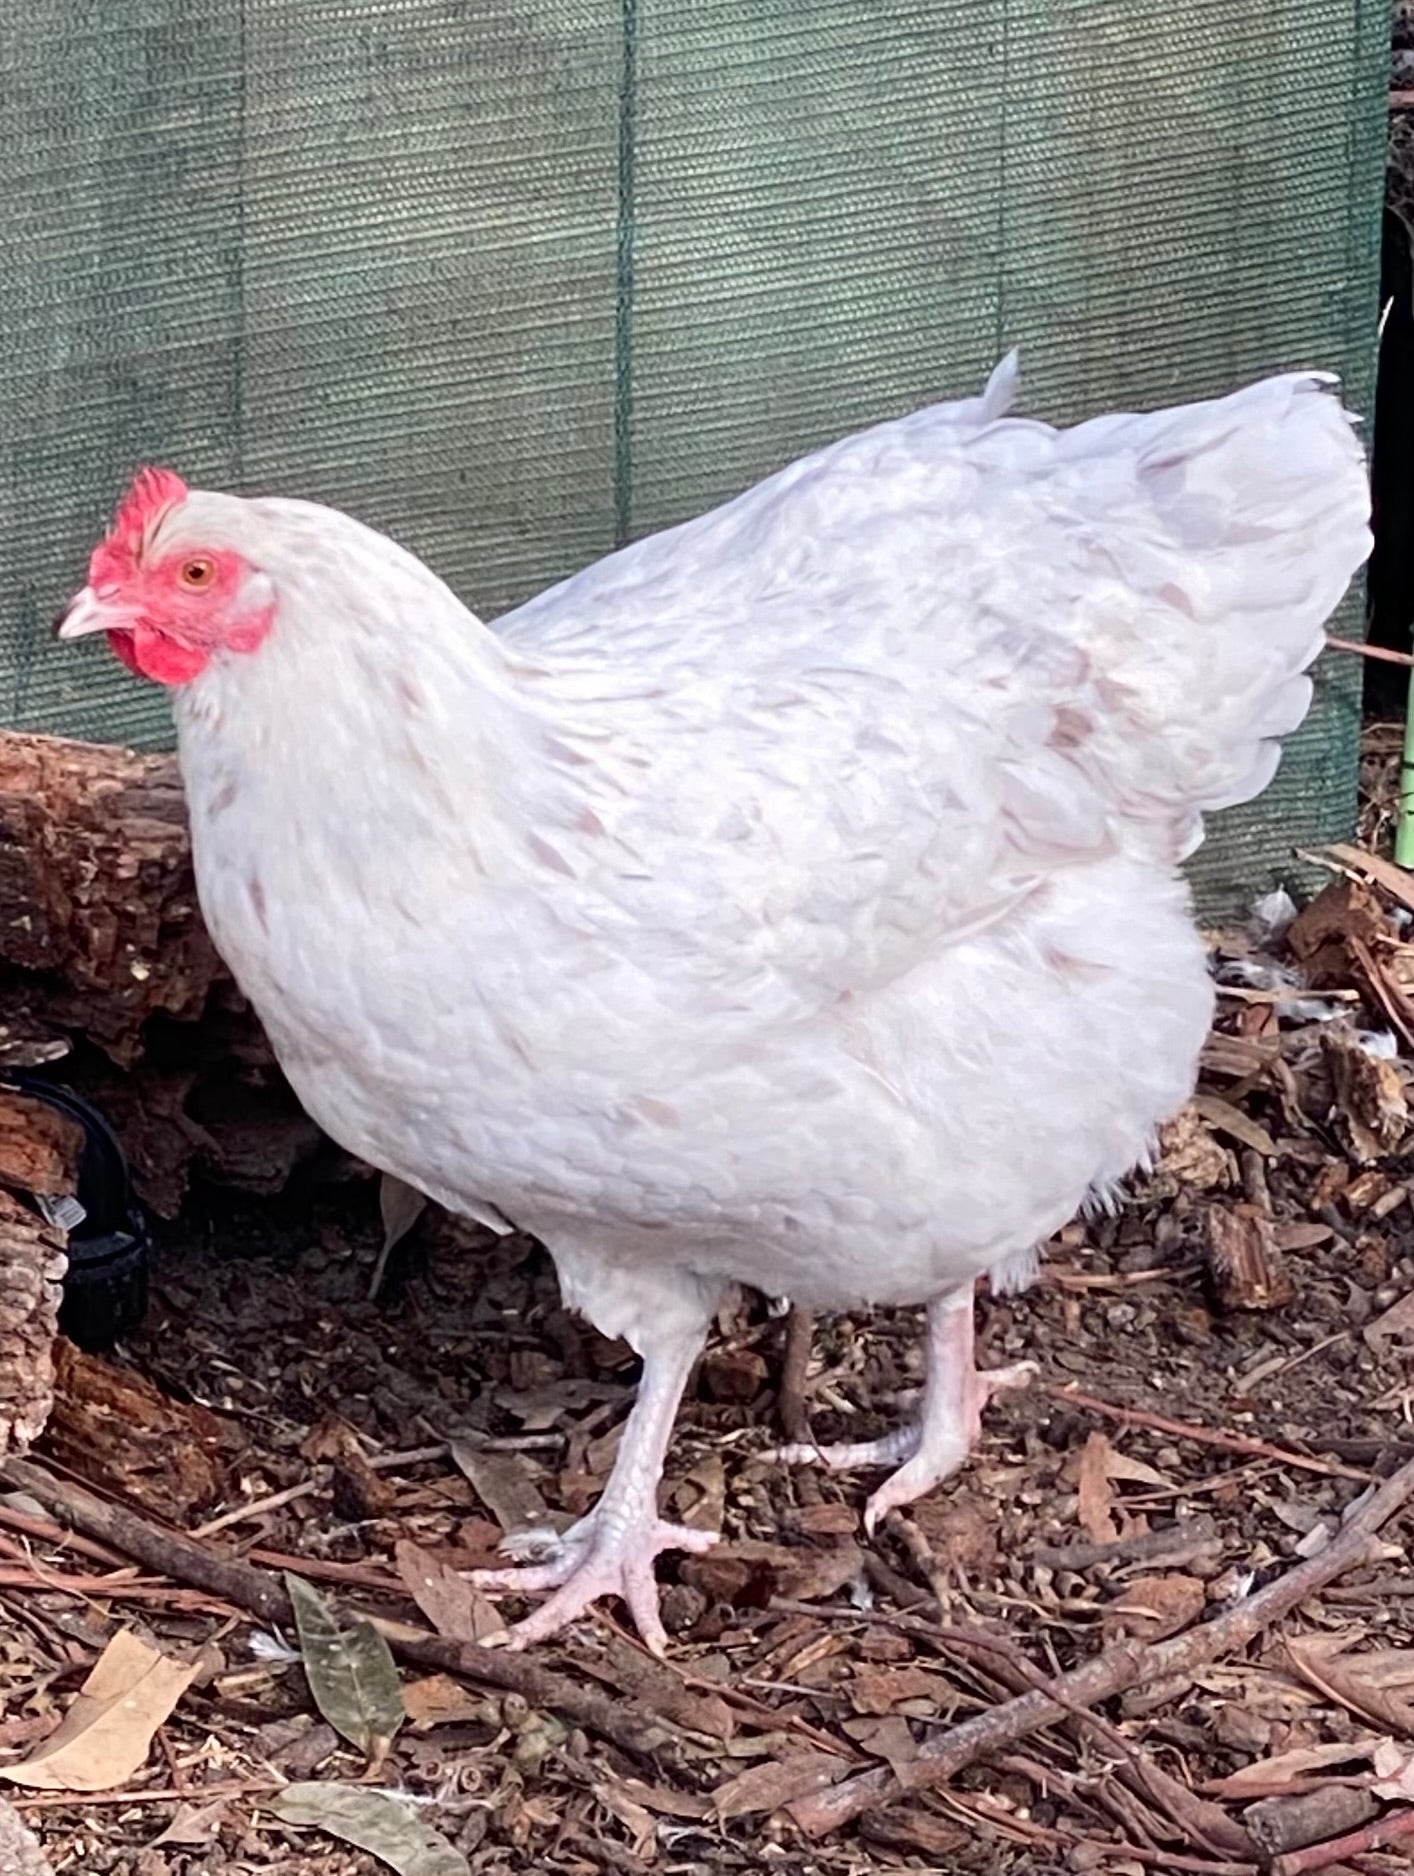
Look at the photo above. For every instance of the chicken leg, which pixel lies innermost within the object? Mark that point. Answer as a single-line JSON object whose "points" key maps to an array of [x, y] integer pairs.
{"points": [[611, 1551], [949, 1419]]}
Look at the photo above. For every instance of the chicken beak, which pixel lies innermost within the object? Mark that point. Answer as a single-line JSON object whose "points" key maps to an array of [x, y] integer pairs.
{"points": [[84, 613]]}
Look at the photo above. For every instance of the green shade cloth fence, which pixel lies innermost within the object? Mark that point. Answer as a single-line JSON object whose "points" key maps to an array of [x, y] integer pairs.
{"points": [[517, 279]]}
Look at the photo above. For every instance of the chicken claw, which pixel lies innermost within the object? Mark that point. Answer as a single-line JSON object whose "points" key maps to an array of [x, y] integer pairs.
{"points": [[934, 1445], [611, 1551], [589, 1561]]}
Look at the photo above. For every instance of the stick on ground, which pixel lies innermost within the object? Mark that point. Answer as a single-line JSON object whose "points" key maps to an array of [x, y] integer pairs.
{"points": [[1123, 1666], [641, 1733]]}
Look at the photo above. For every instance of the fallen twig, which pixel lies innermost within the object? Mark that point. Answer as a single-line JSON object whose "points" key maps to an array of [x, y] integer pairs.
{"points": [[145, 1794], [1362, 650], [1125, 1665], [1385, 1830], [642, 1733], [1169, 1541], [790, 1396], [1204, 1436]]}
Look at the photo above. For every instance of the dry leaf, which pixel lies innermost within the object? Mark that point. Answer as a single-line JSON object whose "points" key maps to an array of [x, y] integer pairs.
{"points": [[400, 1206], [1282, 1767], [636, 1818], [105, 1735], [1370, 1684], [1395, 1325], [1096, 1493], [350, 1673], [890, 1739], [440, 1701], [1100, 1465], [817, 1575], [540, 1408], [880, 1690], [665, 1801], [1394, 1769], [503, 1484], [375, 1821], [1154, 1606], [700, 1497], [768, 1786], [454, 1607], [192, 1824], [1234, 1123]]}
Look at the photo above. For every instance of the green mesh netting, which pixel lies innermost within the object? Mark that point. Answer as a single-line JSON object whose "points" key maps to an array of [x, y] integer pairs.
{"points": [[517, 278]]}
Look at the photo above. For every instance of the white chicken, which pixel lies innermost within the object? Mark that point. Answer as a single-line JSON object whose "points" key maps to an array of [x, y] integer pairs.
{"points": [[789, 899]]}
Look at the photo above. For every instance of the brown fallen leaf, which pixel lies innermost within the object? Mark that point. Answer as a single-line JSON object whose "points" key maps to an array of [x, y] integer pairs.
{"points": [[1396, 1324], [828, 1519], [105, 1736], [766, 1787], [196, 1825], [1098, 1468], [1394, 1772], [666, 1800], [1282, 1767], [1095, 1508], [817, 1575], [1226, 1118], [1372, 1684], [451, 1604], [880, 1690], [700, 1497], [636, 1818], [889, 1738], [438, 1700], [503, 1483], [1154, 1606]]}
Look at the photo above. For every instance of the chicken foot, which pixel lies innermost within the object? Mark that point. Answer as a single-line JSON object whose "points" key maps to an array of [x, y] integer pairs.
{"points": [[933, 1445], [611, 1551]]}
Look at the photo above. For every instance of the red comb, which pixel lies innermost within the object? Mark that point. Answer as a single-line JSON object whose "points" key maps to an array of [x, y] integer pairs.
{"points": [[150, 495]]}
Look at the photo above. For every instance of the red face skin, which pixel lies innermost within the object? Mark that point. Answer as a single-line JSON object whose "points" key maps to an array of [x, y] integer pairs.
{"points": [[180, 607]]}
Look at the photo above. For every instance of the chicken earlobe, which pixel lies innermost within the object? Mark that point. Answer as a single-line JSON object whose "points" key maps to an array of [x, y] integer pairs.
{"points": [[936, 1443], [611, 1552]]}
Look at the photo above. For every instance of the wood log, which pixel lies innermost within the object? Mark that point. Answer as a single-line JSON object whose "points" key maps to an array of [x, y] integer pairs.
{"points": [[104, 960], [32, 1267], [98, 905], [106, 965]]}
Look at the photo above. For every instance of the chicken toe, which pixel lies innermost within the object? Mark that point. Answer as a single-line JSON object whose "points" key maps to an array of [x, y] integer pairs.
{"points": [[611, 1552], [609, 1560], [935, 1444]]}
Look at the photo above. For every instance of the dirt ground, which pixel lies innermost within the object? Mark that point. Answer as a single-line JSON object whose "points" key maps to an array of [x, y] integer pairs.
{"points": [[1224, 1368]]}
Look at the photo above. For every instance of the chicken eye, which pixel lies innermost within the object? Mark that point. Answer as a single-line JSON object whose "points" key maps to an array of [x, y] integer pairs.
{"points": [[196, 574]]}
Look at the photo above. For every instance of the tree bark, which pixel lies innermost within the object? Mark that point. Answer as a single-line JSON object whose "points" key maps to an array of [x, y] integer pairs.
{"points": [[106, 970]]}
